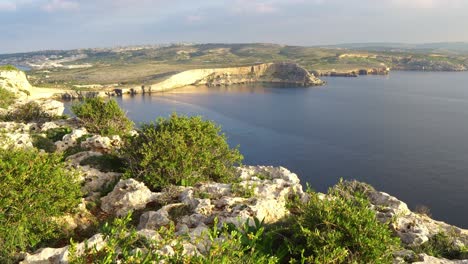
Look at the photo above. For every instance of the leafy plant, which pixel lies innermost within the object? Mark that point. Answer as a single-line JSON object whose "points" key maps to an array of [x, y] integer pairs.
{"points": [[337, 229], [247, 191], [35, 188], [56, 134], [105, 163], [28, 112], [8, 67], [180, 150], [7, 98], [227, 244], [102, 117], [442, 245], [43, 143]]}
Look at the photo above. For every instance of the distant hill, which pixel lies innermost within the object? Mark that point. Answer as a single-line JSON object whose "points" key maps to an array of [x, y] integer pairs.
{"points": [[137, 65], [440, 47]]}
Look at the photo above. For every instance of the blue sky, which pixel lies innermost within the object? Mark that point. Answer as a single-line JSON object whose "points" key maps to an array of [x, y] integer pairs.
{"points": [[27, 25]]}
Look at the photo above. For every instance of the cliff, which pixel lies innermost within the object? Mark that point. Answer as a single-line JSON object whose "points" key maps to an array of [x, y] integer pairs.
{"points": [[15, 81], [286, 73]]}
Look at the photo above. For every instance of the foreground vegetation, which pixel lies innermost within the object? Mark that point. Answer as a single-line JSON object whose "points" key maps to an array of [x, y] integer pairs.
{"points": [[182, 151], [7, 98], [318, 231], [35, 188], [39, 189]]}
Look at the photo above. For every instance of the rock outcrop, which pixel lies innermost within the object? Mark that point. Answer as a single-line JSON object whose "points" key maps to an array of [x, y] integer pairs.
{"points": [[283, 73], [15, 81]]}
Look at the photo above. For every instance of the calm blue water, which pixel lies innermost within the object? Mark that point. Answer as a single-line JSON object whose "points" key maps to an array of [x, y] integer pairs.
{"points": [[405, 134]]}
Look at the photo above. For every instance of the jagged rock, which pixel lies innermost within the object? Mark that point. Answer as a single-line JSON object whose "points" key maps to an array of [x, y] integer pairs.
{"points": [[49, 125], [60, 255], [16, 82], [77, 158], [70, 140], [413, 229], [14, 127], [47, 255], [426, 259], [290, 73], [94, 179], [166, 251], [154, 220], [102, 144], [149, 234], [190, 250], [204, 207], [51, 107], [216, 189], [16, 140], [182, 229], [127, 195]]}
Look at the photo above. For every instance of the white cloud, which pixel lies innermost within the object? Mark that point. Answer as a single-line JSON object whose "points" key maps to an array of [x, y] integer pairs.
{"points": [[7, 6], [55, 5], [426, 3], [258, 7]]}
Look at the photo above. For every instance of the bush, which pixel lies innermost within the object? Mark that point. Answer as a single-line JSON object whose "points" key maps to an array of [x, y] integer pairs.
{"points": [[443, 245], [102, 117], [105, 163], [28, 112], [8, 67], [180, 150], [228, 244], [34, 188], [56, 134], [43, 143], [339, 230], [7, 98]]}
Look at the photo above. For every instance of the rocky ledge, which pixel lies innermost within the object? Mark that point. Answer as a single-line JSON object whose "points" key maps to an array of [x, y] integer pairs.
{"points": [[283, 73]]}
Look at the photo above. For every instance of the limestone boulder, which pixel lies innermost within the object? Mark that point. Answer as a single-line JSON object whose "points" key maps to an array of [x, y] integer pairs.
{"points": [[61, 255], [154, 219], [102, 144], [128, 195], [51, 107], [70, 140]]}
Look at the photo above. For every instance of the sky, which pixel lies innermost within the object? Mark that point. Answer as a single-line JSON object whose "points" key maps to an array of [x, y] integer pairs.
{"points": [[30, 25]]}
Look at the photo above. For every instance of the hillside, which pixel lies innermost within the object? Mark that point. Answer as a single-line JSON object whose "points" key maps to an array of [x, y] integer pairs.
{"points": [[149, 64]]}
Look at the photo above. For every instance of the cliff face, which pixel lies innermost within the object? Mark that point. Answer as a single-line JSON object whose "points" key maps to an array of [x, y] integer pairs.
{"points": [[16, 82], [287, 73]]}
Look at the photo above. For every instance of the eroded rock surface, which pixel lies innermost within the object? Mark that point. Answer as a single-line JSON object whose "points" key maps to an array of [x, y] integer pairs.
{"points": [[285, 73]]}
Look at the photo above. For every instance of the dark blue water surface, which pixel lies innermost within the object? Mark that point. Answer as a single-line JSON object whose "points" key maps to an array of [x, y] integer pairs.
{"points": [[405, 134]]}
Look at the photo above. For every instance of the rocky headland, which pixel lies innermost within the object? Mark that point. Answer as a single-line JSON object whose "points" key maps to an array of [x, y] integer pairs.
{"points": [[276, 73], [354, 72], [283, 73]]}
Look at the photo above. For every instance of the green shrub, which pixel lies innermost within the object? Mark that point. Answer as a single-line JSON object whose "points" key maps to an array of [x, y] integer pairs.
{"points": [[102, 117], [8, 67], [443, 245], [105, 163], [180, 150], [34, 188], [56, 134], [337, 229], [43, 143], [7, 98], [228, 244], [28, 112]]}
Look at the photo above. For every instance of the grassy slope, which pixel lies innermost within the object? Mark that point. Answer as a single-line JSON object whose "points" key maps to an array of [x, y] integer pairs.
{"points": [[156, 63]]}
